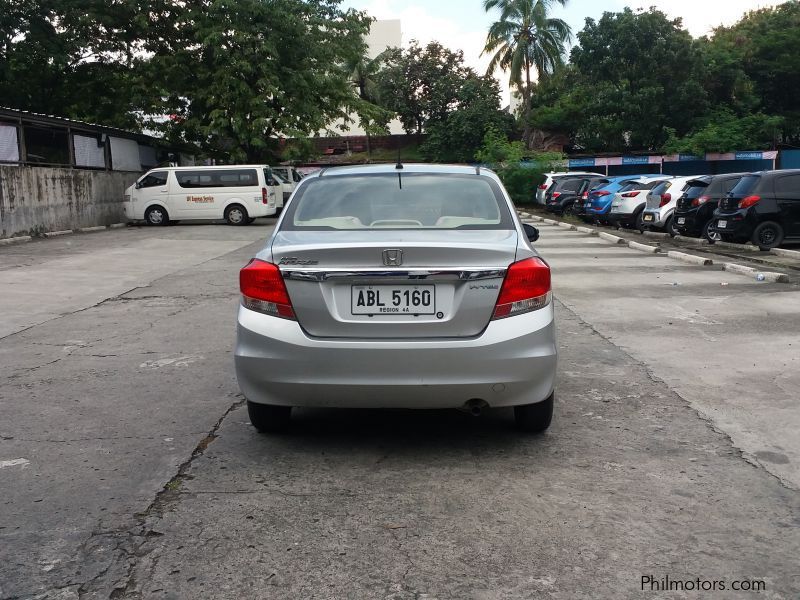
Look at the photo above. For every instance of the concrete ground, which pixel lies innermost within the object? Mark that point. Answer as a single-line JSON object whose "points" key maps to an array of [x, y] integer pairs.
{"points": [[129, 469]]}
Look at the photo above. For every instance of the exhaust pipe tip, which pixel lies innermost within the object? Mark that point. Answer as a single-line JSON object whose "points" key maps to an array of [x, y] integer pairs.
{"points": [[475, 406]]}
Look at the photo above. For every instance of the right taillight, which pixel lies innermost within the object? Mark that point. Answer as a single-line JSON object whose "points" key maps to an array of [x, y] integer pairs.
{"points": [[263, 289], [543, 186], [630, 194], [749, 201], [526, 287], [700, 200], [264, 196], [665, 199], [601, 193]]}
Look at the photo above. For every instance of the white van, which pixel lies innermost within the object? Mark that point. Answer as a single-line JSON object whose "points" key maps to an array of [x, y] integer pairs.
{"points": [[291, 177], [236, 193]]}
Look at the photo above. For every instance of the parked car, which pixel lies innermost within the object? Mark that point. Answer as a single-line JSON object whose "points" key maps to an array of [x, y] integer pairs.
{"points": [[562, 195], [583, 203], [763, 208], [661, 202], [237, 194], [629, 201], [290, 177], [550, 178], [694, 211], [412, 287], [600, 197]]}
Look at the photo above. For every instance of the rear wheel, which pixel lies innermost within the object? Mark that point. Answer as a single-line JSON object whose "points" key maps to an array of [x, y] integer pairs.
{"points": [[236, 214], [640, 222], [711, 236], [671, 228], [268, 418], [569, 210], [534, 418], [156, 215], [767, 235]]}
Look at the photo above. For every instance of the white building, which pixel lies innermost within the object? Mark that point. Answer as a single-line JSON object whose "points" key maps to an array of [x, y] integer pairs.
{"points": [[382, 35]]}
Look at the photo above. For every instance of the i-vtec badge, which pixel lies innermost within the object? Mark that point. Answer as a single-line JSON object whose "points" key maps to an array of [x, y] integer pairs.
{"points": [[293, 260], [487, 286]]}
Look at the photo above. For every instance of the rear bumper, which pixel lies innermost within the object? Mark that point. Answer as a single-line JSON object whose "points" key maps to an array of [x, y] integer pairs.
{"points": [[512, 362], [737, 224], [693, 221], [659, 217]]}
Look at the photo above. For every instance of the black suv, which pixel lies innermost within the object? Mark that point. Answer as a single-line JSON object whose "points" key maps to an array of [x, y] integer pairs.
{"points": [[764, 208], [694, 211], [564, 195]]}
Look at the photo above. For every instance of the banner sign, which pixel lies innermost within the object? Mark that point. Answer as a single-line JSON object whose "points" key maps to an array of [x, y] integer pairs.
{"points": [[581, 162], [749, 155], [635, 160], [688, 157]]}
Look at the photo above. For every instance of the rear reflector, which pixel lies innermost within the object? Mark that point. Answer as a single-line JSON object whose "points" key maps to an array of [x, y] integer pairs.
{"points": [[263, 289], [749, 201], [526, 287]]}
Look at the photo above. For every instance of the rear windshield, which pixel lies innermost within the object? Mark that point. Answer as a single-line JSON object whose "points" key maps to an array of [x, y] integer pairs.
{"points": [[660, 188], [695, 189], [570, 185], [746, 183], [399, 201]]}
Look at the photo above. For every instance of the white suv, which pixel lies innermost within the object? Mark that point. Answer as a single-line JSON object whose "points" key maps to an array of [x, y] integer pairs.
{"points": [[550, 178]]}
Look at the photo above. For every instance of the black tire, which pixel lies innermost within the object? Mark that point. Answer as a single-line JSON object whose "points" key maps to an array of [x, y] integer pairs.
{"points": [[174, 222], [640, 222], [157, 216], [569, 210], [268, 418], [236, 214], [534, 418], [768, 234], [670, 228], [712, 236]]}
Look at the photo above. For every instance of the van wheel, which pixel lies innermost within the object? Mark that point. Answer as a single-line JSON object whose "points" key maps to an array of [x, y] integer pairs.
{"points": [[534, 418], [236, 214], [268, 418], [767, 235], [156, 215], [711, 236]]}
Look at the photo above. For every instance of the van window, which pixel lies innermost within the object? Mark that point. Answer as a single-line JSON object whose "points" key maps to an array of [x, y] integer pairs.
{"points": [[217, 178], [153, 179]]}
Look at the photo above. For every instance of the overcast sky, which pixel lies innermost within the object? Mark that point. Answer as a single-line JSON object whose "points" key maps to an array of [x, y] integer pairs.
{"points": [[462, 24]]}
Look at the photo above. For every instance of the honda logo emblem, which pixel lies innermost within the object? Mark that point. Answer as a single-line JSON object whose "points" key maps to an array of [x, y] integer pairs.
{"points": [[393, 257]]}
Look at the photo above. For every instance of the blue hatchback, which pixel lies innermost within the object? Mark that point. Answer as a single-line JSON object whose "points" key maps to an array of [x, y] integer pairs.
{"points": [[599, 201]]}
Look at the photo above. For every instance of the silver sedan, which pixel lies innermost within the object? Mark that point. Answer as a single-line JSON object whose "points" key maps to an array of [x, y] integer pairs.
{"points": [[397, 286]]}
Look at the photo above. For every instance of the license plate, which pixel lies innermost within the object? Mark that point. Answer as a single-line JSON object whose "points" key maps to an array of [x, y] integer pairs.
{"points": [[393, 299], [681, 220], [722, 224], [647, 218]]}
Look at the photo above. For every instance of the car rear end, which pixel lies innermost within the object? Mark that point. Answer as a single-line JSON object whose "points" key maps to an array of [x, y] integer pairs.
{"points": [[694, 207], [408, 288], [629, 201], [736, 217], [661, 202]]}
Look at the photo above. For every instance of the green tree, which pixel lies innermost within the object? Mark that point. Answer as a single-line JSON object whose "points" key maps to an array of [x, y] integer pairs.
{"points": [[725, 132], [459, 136], [74, 59], [641, 73], [525, 39], [421, 84], [236, 74]]}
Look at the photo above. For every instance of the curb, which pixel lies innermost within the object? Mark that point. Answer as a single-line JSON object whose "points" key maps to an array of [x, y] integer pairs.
{"points": [[566, 225], [611, 238], [550, 221], [117, 225], [690, 258], [50, 234], [15, 240], [644, 247], [738, 246], [588, 230], [786, 253], [691, 240], [656, 234], [751, 272], [92, 229]]}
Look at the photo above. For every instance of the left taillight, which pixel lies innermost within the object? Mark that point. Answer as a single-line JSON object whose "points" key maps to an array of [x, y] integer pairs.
{"points": [[264, 196], [700, 200], [749, 201], [526, 287], [263, 289], [665, 199]]}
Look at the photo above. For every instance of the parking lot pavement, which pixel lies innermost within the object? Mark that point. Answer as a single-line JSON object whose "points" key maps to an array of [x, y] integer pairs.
{"points": [[129, 469], [726, 343]]}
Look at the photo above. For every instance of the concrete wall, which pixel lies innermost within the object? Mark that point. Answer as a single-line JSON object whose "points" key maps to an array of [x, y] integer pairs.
{"points": [[38, 199]]}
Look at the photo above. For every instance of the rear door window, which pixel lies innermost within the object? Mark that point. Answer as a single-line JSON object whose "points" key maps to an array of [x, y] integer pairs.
{"points": [[745, 184], [398, 201], [571, 185]]}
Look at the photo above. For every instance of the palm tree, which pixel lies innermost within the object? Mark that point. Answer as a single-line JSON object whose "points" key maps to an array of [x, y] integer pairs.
{"points": [[362, 72], [526, 39]]}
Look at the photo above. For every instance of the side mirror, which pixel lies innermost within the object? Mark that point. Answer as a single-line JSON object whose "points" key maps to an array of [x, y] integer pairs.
{"points": [[138, 185], [271, 182], [530, 232]]}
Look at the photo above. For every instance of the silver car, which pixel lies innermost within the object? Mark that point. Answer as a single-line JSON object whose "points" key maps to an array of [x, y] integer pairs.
{"points": [[411, 286]]}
